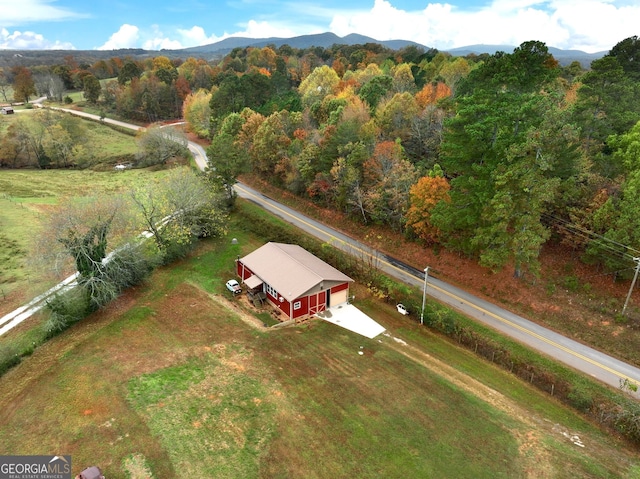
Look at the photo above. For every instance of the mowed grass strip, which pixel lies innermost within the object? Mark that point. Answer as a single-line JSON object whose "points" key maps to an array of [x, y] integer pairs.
{"points": [[212, 414]]}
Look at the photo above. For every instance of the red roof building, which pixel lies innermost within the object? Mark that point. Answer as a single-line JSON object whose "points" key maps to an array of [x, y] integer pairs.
{"points": [[296, 282]]}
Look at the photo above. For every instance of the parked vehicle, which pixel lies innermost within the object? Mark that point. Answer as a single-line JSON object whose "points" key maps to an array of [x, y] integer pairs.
{"points": [[402, 309], [92, 472], [233, 286]]}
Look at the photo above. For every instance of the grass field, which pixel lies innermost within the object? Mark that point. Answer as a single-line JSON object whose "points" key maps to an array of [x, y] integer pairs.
{"points": [[106, 146], [181, 374], [25, 197]]}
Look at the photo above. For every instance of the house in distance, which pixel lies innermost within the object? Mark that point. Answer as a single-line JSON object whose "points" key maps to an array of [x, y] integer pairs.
{"points": [[295, 281]]}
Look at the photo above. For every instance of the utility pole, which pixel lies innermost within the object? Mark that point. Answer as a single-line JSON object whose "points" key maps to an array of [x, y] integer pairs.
{"points": [[424, 293], [633, 283]]}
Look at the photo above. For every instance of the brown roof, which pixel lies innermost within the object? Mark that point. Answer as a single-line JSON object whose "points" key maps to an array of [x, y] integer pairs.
{"points": [[292, 270]]}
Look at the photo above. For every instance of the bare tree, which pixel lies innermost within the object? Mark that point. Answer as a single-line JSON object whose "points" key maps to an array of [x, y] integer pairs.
{"points": [[157, 145], [5, 86], [89, 236]]}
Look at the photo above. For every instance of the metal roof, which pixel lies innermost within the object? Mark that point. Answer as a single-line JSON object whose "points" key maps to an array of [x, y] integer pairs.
{"points": [[291, 270], [253, 282]]}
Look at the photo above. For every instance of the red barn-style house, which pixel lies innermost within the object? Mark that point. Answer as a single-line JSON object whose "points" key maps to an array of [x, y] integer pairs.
{"points": [[296, 282]]}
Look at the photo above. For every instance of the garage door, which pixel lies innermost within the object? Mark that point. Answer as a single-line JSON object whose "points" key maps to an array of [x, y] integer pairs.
{"points": [[338, 298]]}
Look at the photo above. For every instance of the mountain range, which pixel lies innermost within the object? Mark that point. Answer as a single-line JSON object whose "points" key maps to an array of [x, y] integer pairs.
{"points": [[216, 51], [326, 40]]}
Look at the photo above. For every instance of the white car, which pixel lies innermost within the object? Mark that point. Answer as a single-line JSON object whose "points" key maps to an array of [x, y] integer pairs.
{"points": [[401, 309], [233, 286]]}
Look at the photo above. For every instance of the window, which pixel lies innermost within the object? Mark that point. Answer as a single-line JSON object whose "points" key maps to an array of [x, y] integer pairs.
{"points": [[297, 305], [271, 290]]}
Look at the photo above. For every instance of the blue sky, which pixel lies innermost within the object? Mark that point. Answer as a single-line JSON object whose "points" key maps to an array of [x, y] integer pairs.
{"points": [[589, 25]]}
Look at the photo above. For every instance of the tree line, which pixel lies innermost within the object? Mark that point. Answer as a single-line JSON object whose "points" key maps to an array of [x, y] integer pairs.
{"points": [[492, 156]]}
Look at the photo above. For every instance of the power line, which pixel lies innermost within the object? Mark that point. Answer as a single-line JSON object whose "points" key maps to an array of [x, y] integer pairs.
{"points": [[620, 251]]}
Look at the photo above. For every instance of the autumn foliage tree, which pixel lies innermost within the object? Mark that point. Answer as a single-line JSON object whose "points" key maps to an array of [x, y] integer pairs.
{"points": [[424, 196], [197, 112], [432, 93], [23, 85], [388, 178]]}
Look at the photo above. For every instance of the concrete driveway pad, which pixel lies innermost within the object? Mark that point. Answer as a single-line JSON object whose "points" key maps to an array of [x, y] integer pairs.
{"points": [[349, 317]]}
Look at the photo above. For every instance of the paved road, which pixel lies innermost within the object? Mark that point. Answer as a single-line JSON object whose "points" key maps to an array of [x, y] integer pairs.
{"points": [[583, 358]]}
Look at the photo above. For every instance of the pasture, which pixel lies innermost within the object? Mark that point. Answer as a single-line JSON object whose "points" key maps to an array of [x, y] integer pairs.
{"points": [[26, 197], [181, 374]]}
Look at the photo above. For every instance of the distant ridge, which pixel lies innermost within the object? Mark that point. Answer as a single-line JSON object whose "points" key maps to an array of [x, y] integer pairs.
{"points": [[216, 51], [324, 40], [564, 57], [328, 39]]}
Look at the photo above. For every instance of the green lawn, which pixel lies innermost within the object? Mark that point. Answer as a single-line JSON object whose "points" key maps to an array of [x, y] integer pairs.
{"points": [[171, 372]]}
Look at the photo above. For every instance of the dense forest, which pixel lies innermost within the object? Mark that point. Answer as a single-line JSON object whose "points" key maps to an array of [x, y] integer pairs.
{"points": [[492, 156]]}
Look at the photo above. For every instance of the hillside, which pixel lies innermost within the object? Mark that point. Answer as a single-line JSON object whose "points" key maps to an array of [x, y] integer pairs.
{"points": [[324, 40], [564, 57], [185, 379], [216, 51]]}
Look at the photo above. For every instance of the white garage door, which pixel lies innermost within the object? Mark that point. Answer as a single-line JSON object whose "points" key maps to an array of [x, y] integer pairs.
{"points": [[338, 298]]}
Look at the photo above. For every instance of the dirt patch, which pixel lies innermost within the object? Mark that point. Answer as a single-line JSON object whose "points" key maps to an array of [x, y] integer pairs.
{"points": [[237, 309]]}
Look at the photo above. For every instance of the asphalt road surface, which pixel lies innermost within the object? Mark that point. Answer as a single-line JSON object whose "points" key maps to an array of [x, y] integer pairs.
{"points": [[572, 353]]}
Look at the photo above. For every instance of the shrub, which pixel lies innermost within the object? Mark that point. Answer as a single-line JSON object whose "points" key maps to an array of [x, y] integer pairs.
{"points": [[66, 309], [9, 357]]}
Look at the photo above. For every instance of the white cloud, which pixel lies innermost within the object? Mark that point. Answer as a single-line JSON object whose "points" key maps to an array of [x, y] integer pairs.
{"points": [[29, 41], [590, 25], [125, 37], [157, 41], [26, 11], [196, 36], [161, 43], [254, 29]]}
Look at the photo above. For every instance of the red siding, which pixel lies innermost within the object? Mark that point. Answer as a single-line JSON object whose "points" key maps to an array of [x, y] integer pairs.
{"points": [[281, 305], [284, 307], [322, 301], [243, 271], [304, 307], [340, 287]]}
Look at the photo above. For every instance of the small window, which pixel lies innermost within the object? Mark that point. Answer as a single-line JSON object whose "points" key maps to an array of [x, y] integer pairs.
{"points": [[297, 305]]}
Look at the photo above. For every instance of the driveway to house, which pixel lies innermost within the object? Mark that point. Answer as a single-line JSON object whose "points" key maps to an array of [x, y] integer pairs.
{"points": [[572, 353]]}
